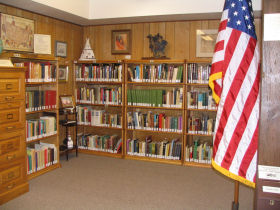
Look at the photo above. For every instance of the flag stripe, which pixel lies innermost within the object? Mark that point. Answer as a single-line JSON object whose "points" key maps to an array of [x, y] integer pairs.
{"points": [[243, 120], [225, 111], [252, 149]]}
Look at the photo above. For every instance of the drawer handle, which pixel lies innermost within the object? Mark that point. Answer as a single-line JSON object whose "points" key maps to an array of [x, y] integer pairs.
{"points": [[10, 145], [11, 127], [10, 157], [10, 186], [10, 116], [11, 175], [9, 98], [9, 86]]}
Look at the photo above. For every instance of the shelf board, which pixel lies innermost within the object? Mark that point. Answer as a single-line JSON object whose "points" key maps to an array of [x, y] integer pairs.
{"points": [[202, 110], [39, 83], [196, 134], [150, 159], [198, 84], [153, 107], [200, 165], [155, 83], [43, 171], [111, 105], [108, 154], [101, 82], [93, 126], [43, 110], [153, 131], [39, 139]]}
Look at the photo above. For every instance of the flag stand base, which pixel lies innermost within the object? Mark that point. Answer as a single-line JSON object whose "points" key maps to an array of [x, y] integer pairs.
{"points": [[235, 206]]}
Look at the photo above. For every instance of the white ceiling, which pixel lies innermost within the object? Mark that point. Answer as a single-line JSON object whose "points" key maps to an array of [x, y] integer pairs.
{"points": [[92, 12]]}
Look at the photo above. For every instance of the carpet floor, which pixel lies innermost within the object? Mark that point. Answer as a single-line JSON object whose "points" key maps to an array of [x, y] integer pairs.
{"points": [[96, 182]]}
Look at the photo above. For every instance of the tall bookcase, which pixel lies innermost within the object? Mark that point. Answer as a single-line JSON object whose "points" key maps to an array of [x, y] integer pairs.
{"points": [[42, 114], [100, 107], [200, 115], [154, 110]]}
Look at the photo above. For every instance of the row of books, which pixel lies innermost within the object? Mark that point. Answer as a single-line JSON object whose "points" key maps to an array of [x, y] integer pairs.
{"points": [[39, 128], [99, 72], [39, 72], [154, 121], [202, 124], [199, 152], [41, 156], [197, 99], [89, 116], [37, 100], [156, 149], [155, 97], [198, 73], [155, 73], [105, 143], [99, 95]]}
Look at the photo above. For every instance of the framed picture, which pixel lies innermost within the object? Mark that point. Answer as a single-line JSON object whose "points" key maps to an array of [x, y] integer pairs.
{"points": [[42, 44], [60, 49], [205, 42], [17, 33], [121, 42], [63, 73], [67, 101]]}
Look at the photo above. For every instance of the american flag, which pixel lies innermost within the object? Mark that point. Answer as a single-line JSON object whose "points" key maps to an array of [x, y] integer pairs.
{"points": [[234, 80]]}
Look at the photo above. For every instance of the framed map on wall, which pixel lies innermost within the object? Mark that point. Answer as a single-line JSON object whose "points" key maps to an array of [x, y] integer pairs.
{"points": [[17, 33]]}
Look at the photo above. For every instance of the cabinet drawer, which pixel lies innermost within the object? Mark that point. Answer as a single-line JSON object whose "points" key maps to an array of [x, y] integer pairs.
{"points": [[11, 86], [12, 146], [12, 175], [12, 116]]}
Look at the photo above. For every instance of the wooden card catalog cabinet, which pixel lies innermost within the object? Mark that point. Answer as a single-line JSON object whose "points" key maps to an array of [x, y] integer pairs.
{"points": [[13, 181]]}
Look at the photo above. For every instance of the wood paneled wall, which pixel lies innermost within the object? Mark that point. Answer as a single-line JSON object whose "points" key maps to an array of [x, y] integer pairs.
{"points": [[60, 31], [181, 37]]}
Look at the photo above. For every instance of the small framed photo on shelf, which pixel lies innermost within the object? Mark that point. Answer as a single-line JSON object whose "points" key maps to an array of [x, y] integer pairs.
{"points": [[121, 42], [63, 73], [60, 49], [205, 42], [67, 101]]}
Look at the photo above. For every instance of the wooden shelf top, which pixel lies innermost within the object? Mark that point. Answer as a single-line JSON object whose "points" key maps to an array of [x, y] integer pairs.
{"points": [[198, 84], [196, 134], [108, 127], [94, 61], [202, 110], [39, 83], [109, 105], [29, 56], [154, 61], [43, 110]]}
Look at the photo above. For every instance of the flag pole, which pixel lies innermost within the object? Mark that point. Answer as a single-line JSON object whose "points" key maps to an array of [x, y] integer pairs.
{"points": [[235, 203]]}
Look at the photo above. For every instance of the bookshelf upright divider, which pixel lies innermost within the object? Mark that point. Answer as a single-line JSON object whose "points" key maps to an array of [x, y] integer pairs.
{"points": [[42, 114]]}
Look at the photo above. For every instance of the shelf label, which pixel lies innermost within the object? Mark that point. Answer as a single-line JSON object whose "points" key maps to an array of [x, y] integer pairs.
{"points": [[269, 189], [269, 172]]}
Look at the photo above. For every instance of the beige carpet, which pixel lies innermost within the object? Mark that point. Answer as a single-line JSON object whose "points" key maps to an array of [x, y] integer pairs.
{"points": [[94, 182]]}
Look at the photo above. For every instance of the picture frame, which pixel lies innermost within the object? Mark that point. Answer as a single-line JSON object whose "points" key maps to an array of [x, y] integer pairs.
{"points": [[42, 44], [67, 101], [205, 42], [17, 33], [121, 42], [60, 49], [63, 73]]}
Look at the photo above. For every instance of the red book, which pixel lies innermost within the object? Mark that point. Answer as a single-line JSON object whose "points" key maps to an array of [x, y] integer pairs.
{"points": [[160, 120]]}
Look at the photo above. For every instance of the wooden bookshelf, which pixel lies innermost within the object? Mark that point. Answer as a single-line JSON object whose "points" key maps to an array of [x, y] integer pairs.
{"points": [[43, 171], [92, 76], [144, 74], [34, 71]]}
